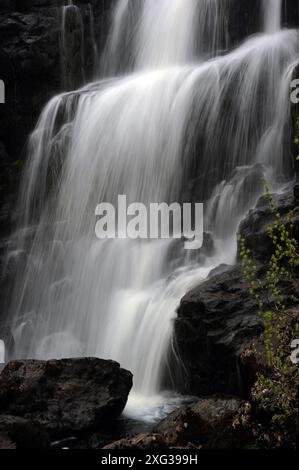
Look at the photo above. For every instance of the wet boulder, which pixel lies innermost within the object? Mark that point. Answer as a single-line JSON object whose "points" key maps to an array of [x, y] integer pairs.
{"points": [[65, 396], [210, 423], [215, 321]]}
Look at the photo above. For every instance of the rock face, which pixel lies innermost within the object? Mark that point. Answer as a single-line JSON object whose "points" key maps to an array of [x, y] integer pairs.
{"points": [[21, 434], [217, 320], [209, 423], [30, 59], [71, 395], [254, 228]]}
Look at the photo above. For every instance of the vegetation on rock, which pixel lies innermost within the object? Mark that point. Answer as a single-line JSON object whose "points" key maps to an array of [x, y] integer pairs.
{"points": [[275, 395]]}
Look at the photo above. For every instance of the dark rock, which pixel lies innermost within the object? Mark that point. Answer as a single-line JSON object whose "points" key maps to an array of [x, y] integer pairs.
{"points": [[19, 433], [222, 268], [291, 13], [254, 355], [3, 156], [209, 423], [254, 361], [142, 441], [215, 321], [30, 60], [71, 395], [244, 19], [254, 228], [274, 398]]}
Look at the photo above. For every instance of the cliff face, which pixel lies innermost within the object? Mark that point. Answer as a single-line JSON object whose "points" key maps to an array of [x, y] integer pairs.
{"points": [[31, 61], [219, 318]]}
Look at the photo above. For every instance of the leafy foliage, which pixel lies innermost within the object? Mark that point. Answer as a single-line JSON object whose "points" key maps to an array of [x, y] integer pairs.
{"points": [[277, 389]]}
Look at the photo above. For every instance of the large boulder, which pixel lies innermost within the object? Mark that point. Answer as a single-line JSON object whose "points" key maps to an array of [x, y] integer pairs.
{"points": [[70, 395], [215, 321]]}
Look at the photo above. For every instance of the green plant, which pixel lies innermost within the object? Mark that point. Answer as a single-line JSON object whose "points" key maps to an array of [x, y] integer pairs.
{"points": [[278, 388]]}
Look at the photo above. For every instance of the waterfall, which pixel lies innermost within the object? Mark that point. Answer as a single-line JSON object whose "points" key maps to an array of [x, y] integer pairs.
{"points": [[72, 46], [2, 352], [92, 38], [272, 15], [140, 37], [171, 111]]}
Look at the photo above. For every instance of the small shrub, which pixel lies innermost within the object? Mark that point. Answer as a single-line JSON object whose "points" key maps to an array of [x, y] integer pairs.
{"points": [[276, 390]]}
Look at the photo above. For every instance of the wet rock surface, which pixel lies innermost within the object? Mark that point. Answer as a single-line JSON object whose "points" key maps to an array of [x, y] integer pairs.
{"points": [[67, 396], [217, 320], [209, 423], [254, 227]]}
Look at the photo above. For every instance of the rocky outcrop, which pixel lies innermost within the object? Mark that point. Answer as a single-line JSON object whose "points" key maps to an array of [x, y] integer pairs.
{"points": [[291, 14], [217, 320], [30, 59], [254, 228], [210, 423], [245, 17], [68, 396]]}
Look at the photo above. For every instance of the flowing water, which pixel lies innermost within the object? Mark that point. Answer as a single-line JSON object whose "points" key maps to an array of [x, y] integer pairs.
{"points": [[172, 110], [72, 40], [272, 15]]}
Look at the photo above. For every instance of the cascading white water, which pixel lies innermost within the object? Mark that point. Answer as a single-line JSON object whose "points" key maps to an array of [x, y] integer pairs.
{"points": [[2, 352], [145, 134], [272, 15], [147, 34]]}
